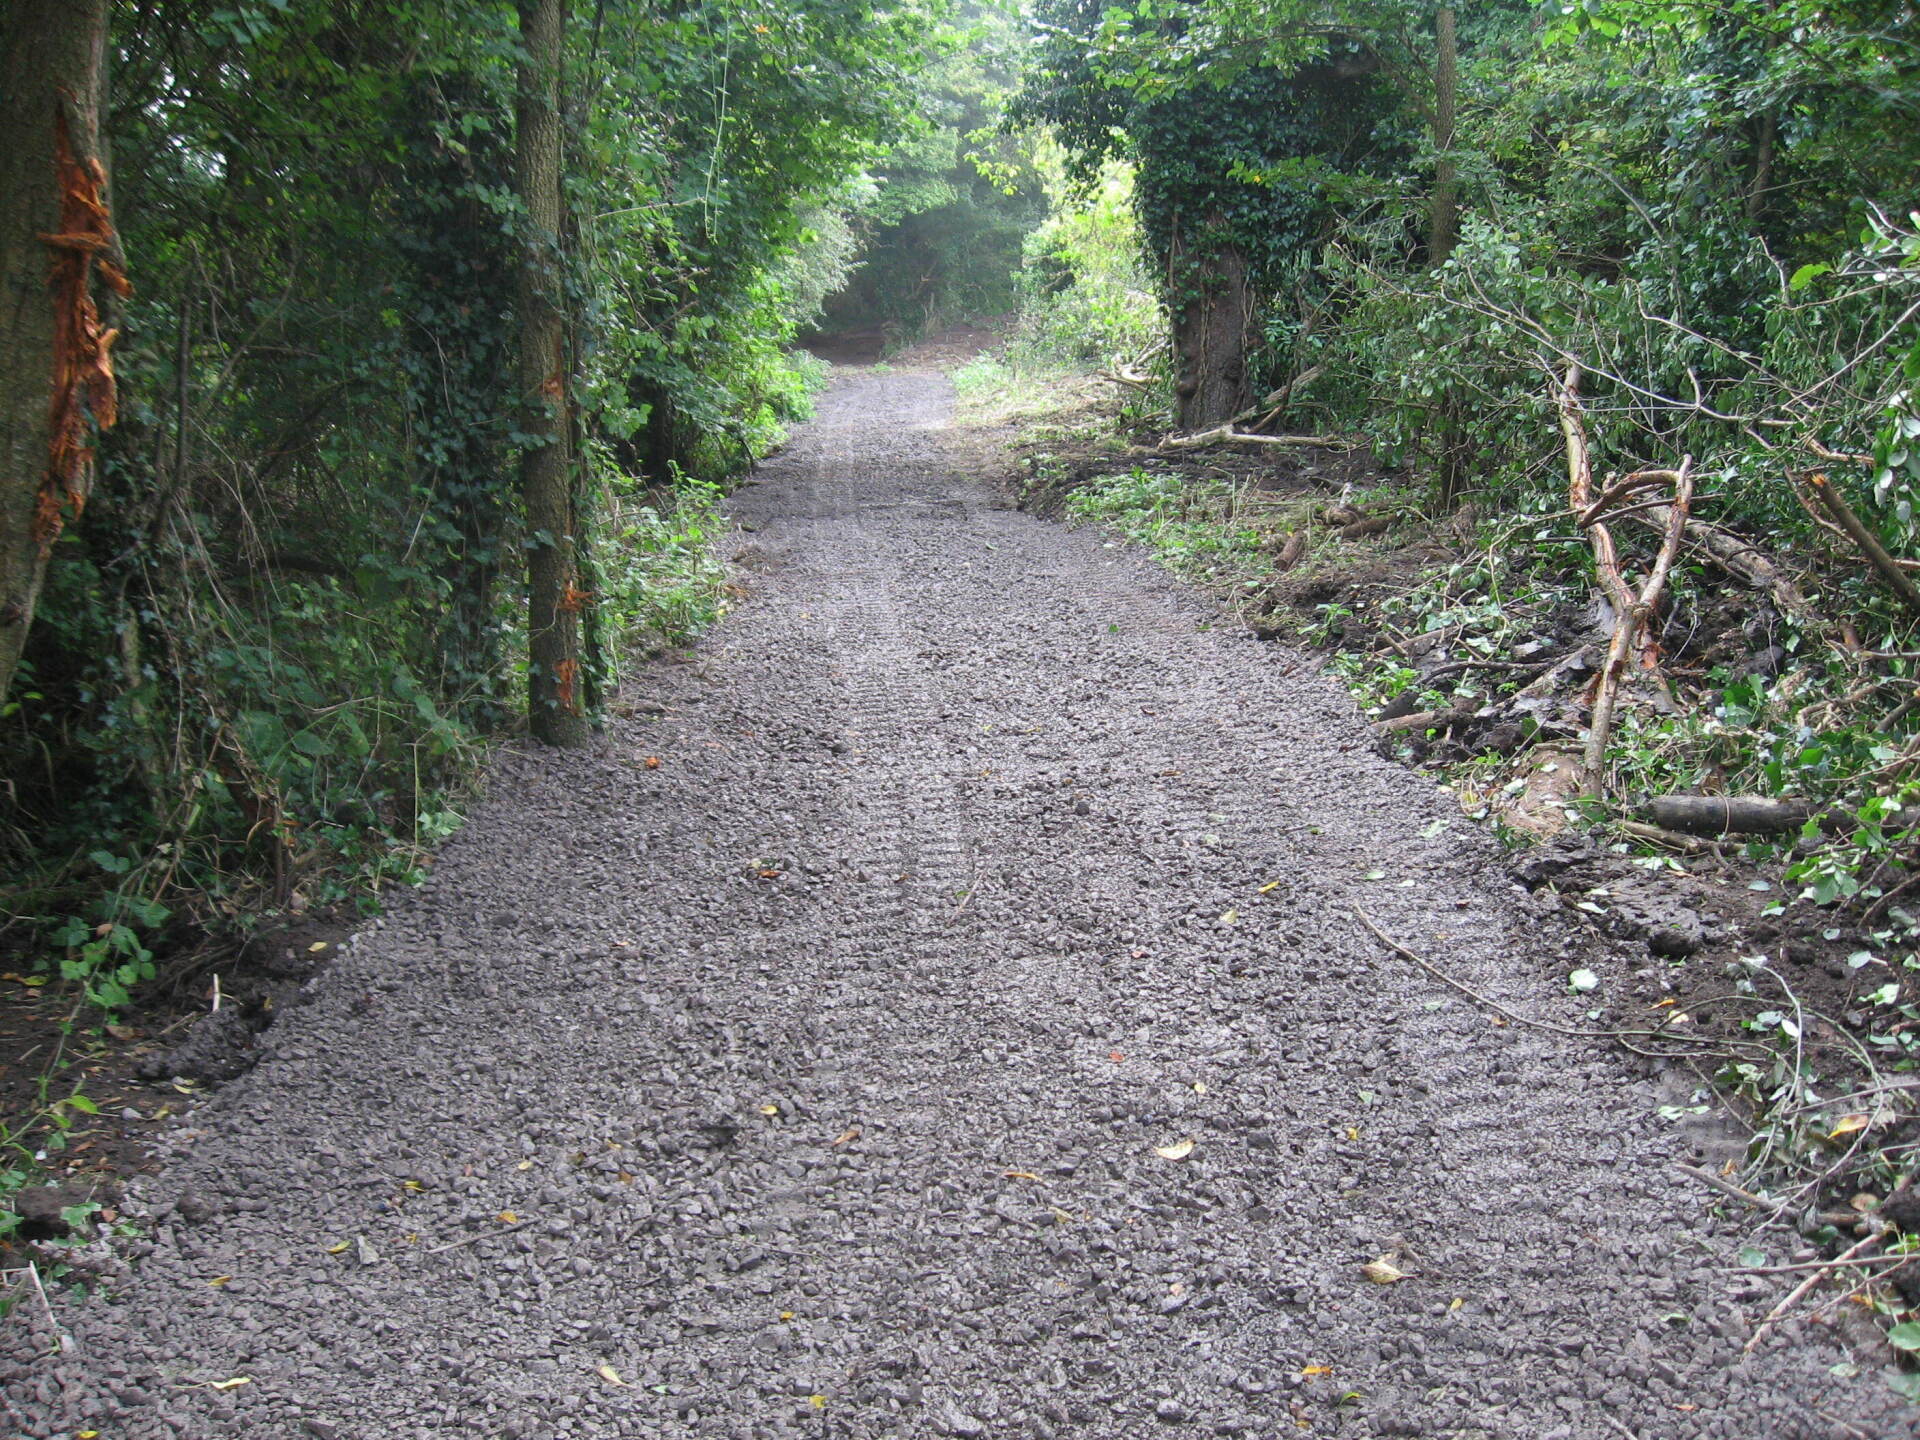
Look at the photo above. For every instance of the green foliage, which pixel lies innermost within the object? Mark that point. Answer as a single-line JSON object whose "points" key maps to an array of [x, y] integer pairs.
{"points": [[1085, 296]]}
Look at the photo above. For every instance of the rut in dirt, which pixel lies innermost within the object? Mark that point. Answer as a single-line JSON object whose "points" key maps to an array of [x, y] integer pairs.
{"points": [[814, 1082]]}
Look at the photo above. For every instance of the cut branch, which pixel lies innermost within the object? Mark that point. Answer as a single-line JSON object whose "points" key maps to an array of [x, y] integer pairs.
{"points": [[1728, 814]]}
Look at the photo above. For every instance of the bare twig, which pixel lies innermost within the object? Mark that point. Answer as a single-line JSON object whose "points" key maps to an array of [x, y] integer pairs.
{"points": [[1801, 1290], [1707, 1177], [1625, 1037], [477, 1238]]}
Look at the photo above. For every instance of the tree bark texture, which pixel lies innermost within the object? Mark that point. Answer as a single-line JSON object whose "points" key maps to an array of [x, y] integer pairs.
{"points": [[57, 251], [1210, 336], [1445, 218], [556, 710]]}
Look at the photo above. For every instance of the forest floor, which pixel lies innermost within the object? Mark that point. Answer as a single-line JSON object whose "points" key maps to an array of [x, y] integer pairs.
{"points": [[949, 1004]]}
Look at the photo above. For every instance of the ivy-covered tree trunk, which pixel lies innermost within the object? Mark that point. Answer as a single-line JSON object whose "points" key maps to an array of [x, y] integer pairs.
{"points": [[1210, 317], [556, 710], [459, 362], [56, 239]]}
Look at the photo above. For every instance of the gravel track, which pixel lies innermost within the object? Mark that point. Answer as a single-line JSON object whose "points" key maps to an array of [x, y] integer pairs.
{"points": [[822, 1067]]}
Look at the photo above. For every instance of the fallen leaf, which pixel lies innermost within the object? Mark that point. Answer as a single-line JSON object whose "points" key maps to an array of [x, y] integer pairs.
{"points": [[1269, 887], [341, 1248], [413, 1185], [608, 1374], [316, 947], [653, 762], [819, 1402], [507, 1217], [123, 1033], [219, 1280], [1179, 1150], [1308, 1372], [786, 1314], [1382, 1272], [1662, 1004], [847, 1136], [1458, 1301], [1848, 1125], [31, 981], [769, 1109], [1230, 917], [524, 1165], [234, 1384], [1353, 1132], [1199, 1087], [1115, 1056], [770, 874], [1583, 981], [1018, 1175], [1060, 1217]]}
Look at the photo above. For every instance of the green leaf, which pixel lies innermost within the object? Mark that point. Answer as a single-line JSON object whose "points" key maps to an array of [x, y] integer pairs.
{"points": [[308, 742], [1807, 274], [1905, 1336]]}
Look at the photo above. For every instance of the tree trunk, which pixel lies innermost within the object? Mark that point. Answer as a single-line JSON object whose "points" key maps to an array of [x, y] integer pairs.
{"points": [[1210, 336], [1445, 218], [56, 238], [555, 709], [1767, 129]]}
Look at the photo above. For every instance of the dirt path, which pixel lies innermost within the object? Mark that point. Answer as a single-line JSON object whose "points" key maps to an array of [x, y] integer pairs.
{"points": [[822, 1067]]}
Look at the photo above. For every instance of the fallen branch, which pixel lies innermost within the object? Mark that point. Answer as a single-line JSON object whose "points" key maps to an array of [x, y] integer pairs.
{"points": [[1657, 835], [1631, 624], [1728, 814], [1275, 400], [1800, 1291], [1865, 541], [1421, 720], [1737, 558], [1606, 557], [1227, 435]]}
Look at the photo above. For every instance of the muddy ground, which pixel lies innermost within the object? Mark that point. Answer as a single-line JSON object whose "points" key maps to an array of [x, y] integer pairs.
{"points": [[951, 1015]]}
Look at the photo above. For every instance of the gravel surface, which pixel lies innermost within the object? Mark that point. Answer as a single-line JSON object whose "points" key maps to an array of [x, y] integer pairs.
{"points": [[811, 1081]]}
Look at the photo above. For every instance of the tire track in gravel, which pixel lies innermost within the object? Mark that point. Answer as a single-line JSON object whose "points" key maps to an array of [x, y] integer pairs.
{"points": [[820, 1069]]}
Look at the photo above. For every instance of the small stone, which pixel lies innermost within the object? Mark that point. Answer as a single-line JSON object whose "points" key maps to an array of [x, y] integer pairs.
{"points": [[195, 1208], [1172, 1411]]}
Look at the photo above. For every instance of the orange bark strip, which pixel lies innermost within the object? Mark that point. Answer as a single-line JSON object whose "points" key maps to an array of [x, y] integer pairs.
{"points": [[83, 380], [565, 674]]}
